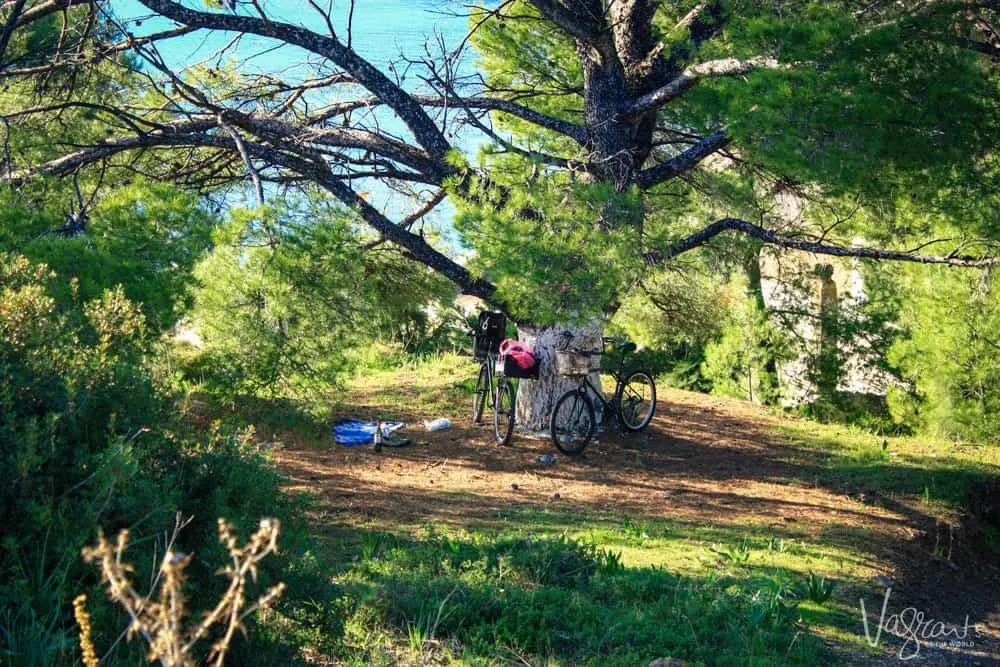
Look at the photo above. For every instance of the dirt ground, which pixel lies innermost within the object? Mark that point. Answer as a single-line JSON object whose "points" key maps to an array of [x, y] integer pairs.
{"points": [[705, 461]]}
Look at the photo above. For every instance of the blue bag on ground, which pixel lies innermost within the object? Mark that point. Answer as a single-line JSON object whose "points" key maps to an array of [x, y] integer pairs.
{"points": [[356, 432]]}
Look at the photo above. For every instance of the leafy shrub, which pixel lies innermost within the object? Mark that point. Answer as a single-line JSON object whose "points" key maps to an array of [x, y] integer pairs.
{"points": [[742, 363], [288, 291], [949, 354], [87, 439]]}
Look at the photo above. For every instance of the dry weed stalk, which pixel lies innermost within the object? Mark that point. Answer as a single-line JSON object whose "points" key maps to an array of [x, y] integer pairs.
{"points": [[83, 620], [161, 622]]}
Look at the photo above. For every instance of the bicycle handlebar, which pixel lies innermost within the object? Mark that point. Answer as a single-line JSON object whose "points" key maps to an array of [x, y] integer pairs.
{"points": [[567, 336]]}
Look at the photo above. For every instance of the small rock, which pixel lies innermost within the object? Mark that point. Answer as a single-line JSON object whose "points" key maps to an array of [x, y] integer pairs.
{"points": [[514, 486], [556, 496], [884, 580]]}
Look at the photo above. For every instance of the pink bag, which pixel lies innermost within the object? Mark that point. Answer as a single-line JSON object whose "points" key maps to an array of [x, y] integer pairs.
{"points": [[521, 355]]}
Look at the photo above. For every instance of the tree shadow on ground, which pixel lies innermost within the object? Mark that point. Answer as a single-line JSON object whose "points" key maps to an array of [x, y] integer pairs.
{"points": [[701, 471]]}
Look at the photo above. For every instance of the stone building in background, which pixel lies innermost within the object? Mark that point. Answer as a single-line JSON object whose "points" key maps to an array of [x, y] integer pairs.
{"points": [[809, 296]]}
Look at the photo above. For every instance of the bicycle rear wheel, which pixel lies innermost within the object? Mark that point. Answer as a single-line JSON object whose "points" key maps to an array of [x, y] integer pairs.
{"points": [[503, 413], [572, 424], [479, 397], [638, 401]]}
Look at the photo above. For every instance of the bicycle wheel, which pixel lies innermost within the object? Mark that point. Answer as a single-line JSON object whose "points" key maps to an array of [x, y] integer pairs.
{"points": [[572, 424], [503, 413], [638, 401], [479, 398]]}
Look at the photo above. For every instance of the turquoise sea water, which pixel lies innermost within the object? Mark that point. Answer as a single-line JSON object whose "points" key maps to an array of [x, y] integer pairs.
{"points": [[381, 29]]}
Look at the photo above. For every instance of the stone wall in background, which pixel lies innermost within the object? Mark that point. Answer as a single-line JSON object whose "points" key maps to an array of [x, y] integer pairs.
{"points": [[799, 289]]}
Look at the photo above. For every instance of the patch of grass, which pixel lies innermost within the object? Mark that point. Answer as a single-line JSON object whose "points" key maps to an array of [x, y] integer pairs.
{"points": [[818, 589], [557, 600], [420, 389], [941, 473], [564, 552]]}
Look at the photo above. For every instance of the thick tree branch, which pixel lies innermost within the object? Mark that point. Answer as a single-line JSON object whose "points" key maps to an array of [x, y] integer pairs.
{"points": [[49, 7], [692, 75], [705, 235], [9, 26], [414, 244], [176, 133], [683, 163], [574, 22], [985, 48], [341, 137]]}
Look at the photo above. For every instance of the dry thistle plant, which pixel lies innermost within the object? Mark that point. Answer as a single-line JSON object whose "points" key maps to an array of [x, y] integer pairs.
{"points": [[161, 622], [83, 620]]}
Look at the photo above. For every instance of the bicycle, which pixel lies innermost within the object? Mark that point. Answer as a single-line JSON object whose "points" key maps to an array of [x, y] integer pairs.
{"points": [[503, 407], [492, 381], [573, 421], [485, 386]]}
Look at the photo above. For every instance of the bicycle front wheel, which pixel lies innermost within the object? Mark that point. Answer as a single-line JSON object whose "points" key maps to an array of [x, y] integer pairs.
{"points": [[479, 398], [638, 401], [572, 424], [503, 413]]}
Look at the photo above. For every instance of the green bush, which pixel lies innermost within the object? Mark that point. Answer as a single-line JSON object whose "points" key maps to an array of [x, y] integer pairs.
{"points": [[144, 237], [88, 441], [742, 363], [288, 291], [949, 354]]}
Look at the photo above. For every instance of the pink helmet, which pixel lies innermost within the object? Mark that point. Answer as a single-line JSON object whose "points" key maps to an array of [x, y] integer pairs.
{"points": [[521, 355]]}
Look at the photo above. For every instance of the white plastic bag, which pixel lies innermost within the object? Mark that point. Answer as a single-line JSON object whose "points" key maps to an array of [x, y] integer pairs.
{"points": [[439, 424]]}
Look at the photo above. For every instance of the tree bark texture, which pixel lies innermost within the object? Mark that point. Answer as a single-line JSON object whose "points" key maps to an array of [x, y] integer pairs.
{"points": [[536, 398]]}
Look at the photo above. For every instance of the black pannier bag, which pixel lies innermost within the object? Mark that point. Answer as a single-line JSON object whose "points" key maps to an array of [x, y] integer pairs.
{"points": [[512, 370], [490, 332]]}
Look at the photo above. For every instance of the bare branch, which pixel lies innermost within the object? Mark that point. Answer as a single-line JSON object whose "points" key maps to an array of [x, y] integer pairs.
{"points": [[104, 52], [706, 234], [247, 160], [412, 114], [575, 132]]}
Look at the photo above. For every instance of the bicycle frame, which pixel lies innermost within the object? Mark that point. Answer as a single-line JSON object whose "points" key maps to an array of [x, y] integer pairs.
{"points": [[619, 374], [491, 377], [616, 397]]}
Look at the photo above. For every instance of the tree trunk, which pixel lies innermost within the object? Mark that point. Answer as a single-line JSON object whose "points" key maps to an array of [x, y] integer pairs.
{"points": [[536, 398]]}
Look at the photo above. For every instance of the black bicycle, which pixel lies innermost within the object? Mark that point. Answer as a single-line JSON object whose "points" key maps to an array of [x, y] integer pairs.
{"points": [[503, 407], [485, 387], [492, 385], [574, 420]]}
